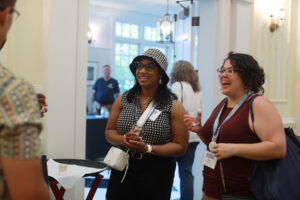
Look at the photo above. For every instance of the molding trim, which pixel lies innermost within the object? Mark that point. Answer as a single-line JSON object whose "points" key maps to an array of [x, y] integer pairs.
{"points": [[279, 100], [289, 122], [248, 1]]}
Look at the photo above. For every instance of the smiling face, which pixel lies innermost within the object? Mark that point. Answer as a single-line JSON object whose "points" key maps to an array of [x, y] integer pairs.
{"points": [[231, 81], [147, 76]]}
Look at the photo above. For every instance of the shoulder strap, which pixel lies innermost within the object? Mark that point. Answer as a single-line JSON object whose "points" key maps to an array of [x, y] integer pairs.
{"points": [[251, 107], [146, 114], [181, 93]]}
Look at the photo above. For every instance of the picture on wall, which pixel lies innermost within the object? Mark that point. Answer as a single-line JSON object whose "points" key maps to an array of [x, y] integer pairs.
{"points": [[92, 72]]}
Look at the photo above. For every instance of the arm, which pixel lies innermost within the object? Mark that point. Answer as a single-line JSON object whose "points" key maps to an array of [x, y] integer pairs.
{"points": [[94, 96], [20, 156], [21, 164], [268, 127], [118, 90], [24, 179], [111, 133]]}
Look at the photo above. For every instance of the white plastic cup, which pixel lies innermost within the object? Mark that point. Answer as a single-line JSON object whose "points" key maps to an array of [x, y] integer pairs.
{"points": [[195, 118], [62, 169]]}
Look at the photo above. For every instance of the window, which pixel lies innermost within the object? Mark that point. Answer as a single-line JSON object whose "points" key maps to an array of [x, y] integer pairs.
{"points": [[125, 30], [151, 34], [128, 44], [124, 54]]}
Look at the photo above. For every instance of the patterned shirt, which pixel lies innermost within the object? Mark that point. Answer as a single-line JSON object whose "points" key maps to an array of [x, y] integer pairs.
{"points": [[19, 122], [153, 132]]}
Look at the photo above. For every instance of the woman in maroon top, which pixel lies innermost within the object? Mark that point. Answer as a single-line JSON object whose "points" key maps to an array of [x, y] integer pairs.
{"points": [[236, 141]]}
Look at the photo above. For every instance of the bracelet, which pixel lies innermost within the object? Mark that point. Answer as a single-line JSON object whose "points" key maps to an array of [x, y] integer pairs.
{"points": [[149, 150]]}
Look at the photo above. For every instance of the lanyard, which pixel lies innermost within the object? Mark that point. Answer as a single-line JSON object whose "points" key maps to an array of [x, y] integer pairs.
{"points": [[145, 116], [217, 126]]}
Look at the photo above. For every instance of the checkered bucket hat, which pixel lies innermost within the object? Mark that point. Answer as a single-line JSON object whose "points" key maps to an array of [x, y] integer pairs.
{"points": [[158, 57]]}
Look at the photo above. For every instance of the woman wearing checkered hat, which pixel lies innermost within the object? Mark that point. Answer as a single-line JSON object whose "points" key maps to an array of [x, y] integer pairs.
{"points": [[153, 145]]}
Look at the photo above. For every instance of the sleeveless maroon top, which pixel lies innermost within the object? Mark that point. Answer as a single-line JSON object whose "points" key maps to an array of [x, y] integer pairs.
{"points": [[235, 169]]}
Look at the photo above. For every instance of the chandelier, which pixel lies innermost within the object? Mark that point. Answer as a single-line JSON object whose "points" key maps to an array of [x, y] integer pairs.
{"points": [[166, 26]]}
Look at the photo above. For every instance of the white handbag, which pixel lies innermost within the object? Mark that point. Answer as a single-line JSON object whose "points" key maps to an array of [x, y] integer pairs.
{"points": [[116, 158]]}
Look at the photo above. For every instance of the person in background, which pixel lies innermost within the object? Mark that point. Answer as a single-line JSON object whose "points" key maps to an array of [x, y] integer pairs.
{"points": [[106, 89], [185, 84], [153, 147], [20, 164], [231, 136]]}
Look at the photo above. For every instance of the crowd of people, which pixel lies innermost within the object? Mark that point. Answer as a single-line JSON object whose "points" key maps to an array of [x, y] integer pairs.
{"points": [[229, 134], [170, 133]]}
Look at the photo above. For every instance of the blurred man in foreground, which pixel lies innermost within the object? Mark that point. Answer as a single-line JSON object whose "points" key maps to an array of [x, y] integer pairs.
{"points": [[20, 165]]}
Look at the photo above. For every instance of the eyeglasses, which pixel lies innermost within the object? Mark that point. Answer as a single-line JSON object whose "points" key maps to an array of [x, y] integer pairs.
{"points": [[229, 71], [17, 13], [150, 66]]}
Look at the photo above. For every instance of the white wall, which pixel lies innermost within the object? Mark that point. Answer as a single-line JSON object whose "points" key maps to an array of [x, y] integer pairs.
{"points": [[47, 44], [68, 21], [240, 26], [277, 54], [25, 52], [183, 37], [207, 65]]}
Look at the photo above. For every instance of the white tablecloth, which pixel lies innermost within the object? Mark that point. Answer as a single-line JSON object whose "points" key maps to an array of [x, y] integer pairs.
{"points": [[73, 173]]}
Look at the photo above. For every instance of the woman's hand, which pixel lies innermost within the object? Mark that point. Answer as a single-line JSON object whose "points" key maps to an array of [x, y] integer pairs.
{"points": [[224, 150], [193, 123], [42, 103], [133, 141]]}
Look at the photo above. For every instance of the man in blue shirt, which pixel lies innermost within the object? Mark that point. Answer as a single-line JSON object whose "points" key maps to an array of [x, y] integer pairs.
{"points": [[106, 89]]}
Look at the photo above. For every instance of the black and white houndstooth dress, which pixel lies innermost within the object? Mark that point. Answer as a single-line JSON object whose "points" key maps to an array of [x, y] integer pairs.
{"points": [[153, 132]]}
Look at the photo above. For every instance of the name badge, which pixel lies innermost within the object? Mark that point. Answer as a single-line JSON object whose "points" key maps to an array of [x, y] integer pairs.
{"points": [[154, 115], [209, 160]]}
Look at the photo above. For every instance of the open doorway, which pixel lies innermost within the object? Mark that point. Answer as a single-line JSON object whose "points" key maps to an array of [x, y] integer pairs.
{"points": [[118, 33]]}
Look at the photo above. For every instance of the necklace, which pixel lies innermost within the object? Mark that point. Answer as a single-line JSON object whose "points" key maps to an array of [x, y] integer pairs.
{"points": [[145, 100]]}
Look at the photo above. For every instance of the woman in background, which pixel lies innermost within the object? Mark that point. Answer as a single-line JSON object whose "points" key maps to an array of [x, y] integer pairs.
{"points": [[185, 84]]}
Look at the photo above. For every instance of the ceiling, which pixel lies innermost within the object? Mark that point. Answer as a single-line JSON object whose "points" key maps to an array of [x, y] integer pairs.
{"points": [[153, 7]]}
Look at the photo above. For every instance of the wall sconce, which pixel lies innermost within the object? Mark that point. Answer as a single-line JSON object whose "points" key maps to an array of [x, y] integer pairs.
{"points": [[90, 35], [272, 11], [276, 20]]}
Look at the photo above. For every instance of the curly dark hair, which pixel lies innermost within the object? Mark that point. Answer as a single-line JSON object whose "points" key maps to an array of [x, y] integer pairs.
{"points": [[6, 3], [162, 95], [252, 74]]}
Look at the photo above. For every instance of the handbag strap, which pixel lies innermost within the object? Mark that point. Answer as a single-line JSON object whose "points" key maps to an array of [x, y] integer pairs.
{"points": [[251, 107], [181, 93]]}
